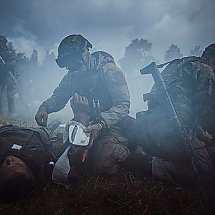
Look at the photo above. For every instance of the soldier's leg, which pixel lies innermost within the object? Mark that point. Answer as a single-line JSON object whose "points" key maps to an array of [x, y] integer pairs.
{"points": [[171, 172], [107, 154], [78, 169], [182, 173], [11, 91], [139, 163]]}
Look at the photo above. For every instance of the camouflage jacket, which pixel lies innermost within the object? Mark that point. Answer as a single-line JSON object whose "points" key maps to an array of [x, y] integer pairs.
{"points": [[190, 82], [105, 79]]}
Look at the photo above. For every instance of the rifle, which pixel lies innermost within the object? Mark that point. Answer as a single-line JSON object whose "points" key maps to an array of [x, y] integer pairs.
{"points": [[159, 81]]}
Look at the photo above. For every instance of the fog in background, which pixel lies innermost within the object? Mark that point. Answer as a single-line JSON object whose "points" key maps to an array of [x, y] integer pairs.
{"points": [[110, 26]]}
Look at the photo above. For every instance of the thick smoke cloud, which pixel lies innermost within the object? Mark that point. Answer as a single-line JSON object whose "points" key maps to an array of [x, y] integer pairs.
{"points": [[109, 25]]}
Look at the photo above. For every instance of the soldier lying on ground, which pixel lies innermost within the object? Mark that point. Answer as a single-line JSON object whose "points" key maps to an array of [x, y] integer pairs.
{"points": [[190, 83], [26, 159]]}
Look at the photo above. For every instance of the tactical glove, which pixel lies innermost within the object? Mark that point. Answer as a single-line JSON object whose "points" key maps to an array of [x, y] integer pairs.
{"points": [[95, 129], [42, 116]]}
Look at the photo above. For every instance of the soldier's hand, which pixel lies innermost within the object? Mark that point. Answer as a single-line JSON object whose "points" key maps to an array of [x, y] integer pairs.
{"points": [[94, 130], [79, 104], [41, 116]]}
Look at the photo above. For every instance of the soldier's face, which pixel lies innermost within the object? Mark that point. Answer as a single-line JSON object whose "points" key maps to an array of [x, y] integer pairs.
{"points": [[13, 165], [79, 61], [73, 61]]}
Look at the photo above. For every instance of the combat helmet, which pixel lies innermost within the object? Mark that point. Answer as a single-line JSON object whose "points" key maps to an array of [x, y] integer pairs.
{"points": [[72, 49]]}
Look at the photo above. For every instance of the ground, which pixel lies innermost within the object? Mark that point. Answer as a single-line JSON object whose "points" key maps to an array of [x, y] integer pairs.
{"points": [[120, 194]]}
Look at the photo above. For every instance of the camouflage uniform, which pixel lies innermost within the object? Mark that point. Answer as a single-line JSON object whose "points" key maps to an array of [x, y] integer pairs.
{"points": [[108, 83], [6, 80], [190, 83]]}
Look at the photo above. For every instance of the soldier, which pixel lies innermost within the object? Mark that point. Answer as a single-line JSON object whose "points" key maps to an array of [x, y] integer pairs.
{"points": [[24, 160], [7, 57], [97, 78], [190, 83]]}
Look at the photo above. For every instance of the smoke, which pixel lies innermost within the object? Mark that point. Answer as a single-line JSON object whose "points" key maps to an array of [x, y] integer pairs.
{"points": [[111, 25], [21, 44], [108, 24]]}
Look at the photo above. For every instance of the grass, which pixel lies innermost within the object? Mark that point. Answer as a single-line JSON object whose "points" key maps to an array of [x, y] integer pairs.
{"points": [[119, 194]]}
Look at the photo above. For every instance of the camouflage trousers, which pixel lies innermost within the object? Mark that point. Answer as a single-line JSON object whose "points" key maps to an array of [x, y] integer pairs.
{"points": [[104, 158], [108, 153]]}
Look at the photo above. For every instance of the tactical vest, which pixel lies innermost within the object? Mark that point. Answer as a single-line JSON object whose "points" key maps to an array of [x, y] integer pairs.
{"points": [[92, 84]]}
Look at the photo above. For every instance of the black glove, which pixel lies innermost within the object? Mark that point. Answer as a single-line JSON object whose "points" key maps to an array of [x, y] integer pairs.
{"points": [[42, 116]]}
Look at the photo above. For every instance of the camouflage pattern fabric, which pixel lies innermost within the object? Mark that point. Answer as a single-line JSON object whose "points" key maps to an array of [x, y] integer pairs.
{"points": [[107, 81], [107, 155], [190, 83]]}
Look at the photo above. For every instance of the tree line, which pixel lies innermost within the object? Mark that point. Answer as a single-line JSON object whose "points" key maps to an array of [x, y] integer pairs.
{"points": [[138, 54], [36, 80]]}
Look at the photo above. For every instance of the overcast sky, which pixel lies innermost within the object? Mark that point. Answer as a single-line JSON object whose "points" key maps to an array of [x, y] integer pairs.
{"points": [[109, 24]]}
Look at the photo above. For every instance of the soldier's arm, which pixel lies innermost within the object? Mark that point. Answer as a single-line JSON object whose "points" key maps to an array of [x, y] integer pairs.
{"points": [[60, 96], [118, 89]]}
